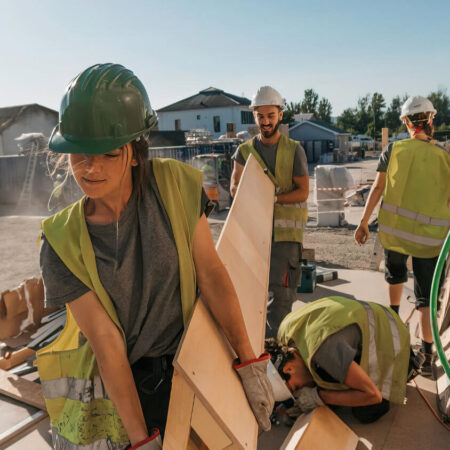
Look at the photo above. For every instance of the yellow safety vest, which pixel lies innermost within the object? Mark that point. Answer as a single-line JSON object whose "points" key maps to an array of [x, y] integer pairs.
{"points": [[289, 219], [80, 411], [385, 340], [414, 217]]}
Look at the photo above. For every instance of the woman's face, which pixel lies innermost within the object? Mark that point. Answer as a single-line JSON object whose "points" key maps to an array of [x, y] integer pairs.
{"points": [[105, 175]]}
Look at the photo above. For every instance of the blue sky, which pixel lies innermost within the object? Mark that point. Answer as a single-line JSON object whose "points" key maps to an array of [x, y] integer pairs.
{"points": [[342, 49]]}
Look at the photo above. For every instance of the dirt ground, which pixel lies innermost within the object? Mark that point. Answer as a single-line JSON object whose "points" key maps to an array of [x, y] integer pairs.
{"points": [[19, 250]]}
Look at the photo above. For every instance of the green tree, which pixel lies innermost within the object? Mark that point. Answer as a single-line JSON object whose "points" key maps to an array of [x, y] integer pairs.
{"points": [[375, 109], [441, 103], [348, 120], [363, 114], [310, 102], [392, 115], [291, 109], [324, 110]]}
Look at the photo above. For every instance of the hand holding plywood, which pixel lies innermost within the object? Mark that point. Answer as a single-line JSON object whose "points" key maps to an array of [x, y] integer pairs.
{"points": [[204, 358]]}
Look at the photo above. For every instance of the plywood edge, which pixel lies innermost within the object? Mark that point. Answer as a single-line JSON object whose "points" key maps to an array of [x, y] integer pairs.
{"points": [[207, 428], [181, 404]]}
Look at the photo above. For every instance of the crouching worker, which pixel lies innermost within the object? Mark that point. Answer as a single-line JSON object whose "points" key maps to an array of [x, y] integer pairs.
{"points": [[339, 351], [126, 260]]}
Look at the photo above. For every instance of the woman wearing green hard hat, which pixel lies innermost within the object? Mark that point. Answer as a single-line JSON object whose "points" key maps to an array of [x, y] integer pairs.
{"points": [[126, 260]]}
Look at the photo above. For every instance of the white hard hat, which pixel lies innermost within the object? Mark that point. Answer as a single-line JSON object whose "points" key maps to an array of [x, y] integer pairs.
{"points": [[416, 104], [267, 96], [280, 390]]}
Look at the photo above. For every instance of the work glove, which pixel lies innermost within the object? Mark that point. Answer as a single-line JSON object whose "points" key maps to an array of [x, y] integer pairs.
{"points": [[153, 442], [307, 399], [257, 388]]}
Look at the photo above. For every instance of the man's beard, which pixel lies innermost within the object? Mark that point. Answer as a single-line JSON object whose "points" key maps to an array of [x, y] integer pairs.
{"points": [[269, 133]]}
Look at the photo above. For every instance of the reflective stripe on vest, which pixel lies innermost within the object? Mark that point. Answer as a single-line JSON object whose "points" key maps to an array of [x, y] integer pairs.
{"points": [[60, 443], [422, 240], [374, 370], [427, 220], [387, 383], [80, 389], [373, 358], [280, 223]]}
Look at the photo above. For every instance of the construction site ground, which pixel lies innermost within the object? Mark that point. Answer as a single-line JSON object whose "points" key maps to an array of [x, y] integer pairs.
{"points": [[411, 426]]}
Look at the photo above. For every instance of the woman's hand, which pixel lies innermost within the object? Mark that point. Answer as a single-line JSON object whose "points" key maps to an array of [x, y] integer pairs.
{"points": [[362, 233]]}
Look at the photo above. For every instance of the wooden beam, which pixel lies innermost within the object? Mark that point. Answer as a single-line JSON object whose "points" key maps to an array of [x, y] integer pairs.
{"points": [[16, 358], [22, 426], [21, 389]]}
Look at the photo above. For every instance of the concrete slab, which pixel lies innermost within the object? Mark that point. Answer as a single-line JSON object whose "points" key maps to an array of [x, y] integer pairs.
{"points": [[410, 426]]}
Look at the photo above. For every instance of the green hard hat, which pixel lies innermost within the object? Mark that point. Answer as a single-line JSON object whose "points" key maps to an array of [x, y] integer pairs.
{"points": [[103, 108]]}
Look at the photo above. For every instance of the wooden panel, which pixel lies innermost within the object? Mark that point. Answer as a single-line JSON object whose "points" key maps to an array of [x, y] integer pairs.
{"points": [[204, 357], [178, 425], [208, 430], [321, 429], [20, 389]]}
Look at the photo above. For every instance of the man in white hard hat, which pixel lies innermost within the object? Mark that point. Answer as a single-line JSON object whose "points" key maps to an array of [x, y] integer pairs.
{"points": [[285, 163], [414, 218]]}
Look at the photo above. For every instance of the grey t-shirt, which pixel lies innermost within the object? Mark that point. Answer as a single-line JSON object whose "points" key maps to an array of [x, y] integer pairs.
{"points": [[269, 156], [383, 162], [137, 263], [333, 358]]}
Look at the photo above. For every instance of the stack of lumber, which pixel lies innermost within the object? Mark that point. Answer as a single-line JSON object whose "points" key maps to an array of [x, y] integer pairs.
{"points": [[25, 327]]}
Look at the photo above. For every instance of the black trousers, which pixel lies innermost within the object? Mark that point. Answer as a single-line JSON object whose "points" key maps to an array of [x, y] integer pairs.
{"points": [[153, 378], [371, 413]]}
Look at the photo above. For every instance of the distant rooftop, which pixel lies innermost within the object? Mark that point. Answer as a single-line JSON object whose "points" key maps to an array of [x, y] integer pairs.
{"points": [[208, 98], [320, 124], [10, 114]]}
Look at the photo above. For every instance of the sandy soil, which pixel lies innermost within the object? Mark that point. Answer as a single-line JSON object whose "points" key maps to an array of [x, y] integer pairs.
{"points": [[19, 251]]}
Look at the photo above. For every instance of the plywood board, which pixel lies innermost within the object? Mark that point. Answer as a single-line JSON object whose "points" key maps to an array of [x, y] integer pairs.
{"points": [[204, 357], [20, 389], [180, 411], [321, 429]]}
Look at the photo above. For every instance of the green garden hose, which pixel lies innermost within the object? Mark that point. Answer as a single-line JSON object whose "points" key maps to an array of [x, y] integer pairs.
{"points": [[433, 304]]}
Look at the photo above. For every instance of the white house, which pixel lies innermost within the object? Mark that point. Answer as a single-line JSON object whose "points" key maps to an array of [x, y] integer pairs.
{"points": [[211, 109], [16, 120]]}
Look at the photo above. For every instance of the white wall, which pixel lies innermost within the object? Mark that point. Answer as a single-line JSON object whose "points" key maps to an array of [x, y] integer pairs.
{"points": [[189, 121], [35, 121]]}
